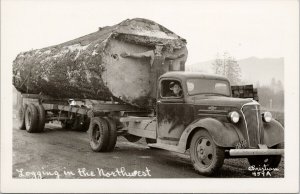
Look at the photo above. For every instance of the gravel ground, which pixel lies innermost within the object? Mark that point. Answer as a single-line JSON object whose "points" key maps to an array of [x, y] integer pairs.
{"points": [[58, 150]]}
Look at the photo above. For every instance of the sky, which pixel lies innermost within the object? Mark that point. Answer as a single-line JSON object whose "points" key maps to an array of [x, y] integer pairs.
{"points": [[241, 28]]}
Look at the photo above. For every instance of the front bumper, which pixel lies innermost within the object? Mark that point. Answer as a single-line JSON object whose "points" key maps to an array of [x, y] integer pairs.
{"points": [[255, 152]]}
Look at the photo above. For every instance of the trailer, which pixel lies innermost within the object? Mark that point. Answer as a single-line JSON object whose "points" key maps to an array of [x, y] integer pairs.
{"points": [[78, 114]]}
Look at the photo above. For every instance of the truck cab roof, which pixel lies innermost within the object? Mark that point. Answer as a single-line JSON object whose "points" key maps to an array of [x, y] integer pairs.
{"points": [[183, 75]]}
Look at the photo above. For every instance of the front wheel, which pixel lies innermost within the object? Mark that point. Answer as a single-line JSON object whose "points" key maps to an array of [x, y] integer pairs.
{"points": [[268, 161], [207, 158]]}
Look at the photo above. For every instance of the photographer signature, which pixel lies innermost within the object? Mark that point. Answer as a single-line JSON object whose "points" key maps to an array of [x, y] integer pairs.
{"points": [[263, 171]]}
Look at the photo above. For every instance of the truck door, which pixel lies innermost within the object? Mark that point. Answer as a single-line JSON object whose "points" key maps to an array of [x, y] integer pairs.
{"points": [[173, 115]]}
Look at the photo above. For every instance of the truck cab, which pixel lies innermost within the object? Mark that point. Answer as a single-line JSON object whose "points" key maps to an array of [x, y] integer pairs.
{"points": [[175, 112], [196, 113]]}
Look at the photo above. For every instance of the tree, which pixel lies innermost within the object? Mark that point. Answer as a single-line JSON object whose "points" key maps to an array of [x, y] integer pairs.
{"points": [[218, 65], [266, 93], [276, 85], [228, 67]]}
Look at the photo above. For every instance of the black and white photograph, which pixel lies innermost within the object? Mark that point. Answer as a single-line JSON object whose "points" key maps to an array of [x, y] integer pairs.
{"points": [[138, 96]]}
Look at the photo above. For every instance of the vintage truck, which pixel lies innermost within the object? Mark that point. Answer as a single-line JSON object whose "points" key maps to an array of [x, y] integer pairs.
{"points": [[129, 80], [204, 119]]}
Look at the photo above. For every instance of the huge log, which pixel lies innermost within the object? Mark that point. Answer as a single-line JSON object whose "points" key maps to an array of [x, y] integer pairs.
{"points": [[120, 62]]}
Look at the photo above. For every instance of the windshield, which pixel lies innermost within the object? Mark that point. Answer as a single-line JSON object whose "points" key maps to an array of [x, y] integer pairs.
{"points": [[208, 86]]}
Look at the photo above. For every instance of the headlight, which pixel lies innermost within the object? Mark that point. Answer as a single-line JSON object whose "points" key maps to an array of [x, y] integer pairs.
{"points": [[267, 117], [234, 116]]}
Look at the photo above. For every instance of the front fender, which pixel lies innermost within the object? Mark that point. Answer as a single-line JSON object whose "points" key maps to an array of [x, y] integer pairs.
{"points": [[223, 134], [273, 133]]}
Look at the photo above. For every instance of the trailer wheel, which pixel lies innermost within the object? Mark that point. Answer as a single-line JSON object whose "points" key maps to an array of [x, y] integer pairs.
{"points": [[112, 134], [42, 118], [98, 134], [206, 156], [21, 117], [31, 119], [269, 161]]}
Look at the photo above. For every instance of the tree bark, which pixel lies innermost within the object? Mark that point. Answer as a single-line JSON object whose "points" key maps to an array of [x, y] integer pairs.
{"points": [[85, 68]]}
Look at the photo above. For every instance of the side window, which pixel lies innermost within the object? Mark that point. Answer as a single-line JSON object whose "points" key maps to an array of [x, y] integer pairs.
{"points": [[171, 89]]}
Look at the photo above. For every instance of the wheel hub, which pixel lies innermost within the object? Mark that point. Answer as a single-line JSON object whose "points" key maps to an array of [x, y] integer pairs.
{"points": [[205, 151], [202, 153], [96, 134]]}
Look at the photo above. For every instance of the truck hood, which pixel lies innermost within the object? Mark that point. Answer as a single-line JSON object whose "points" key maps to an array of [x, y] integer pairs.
{"points": [[221, 101]]}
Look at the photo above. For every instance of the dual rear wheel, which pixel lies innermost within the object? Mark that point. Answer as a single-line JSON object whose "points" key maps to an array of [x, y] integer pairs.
{"points": [[103, 134], [32, 118]]}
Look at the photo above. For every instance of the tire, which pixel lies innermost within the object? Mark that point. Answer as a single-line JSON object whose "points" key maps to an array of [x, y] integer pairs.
{"points": [[132, 138], [21, 117], [206, 157], [269, 161], [42, 118], [31, 119], [99, 134], [112, 134]]}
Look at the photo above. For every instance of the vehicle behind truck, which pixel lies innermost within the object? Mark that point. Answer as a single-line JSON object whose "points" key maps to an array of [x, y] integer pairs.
{"points": [[202, 119]]}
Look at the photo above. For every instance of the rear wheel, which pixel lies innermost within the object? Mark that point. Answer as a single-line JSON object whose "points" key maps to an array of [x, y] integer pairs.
{"points": [[21, 117], [31, 119], [268, 161], [98, 134], [207, 158], [42, 118], [112, 134]]}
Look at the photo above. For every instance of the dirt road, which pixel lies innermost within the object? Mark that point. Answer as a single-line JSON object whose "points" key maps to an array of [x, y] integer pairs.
{"points": [[59, 153]]}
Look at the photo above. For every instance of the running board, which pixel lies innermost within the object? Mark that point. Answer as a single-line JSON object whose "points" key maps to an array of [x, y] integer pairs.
{"points": [[168, 147]]}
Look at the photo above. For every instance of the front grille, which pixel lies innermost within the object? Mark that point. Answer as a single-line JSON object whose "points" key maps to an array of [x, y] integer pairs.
{"points": [[253, 123]]}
